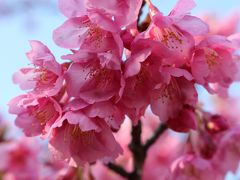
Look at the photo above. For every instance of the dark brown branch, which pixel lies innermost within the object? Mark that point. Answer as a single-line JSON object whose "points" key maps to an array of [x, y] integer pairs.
{"points": [[140, 14], [138, 152], [119, 170], [161, 128], [144, 25], [136, 134]]}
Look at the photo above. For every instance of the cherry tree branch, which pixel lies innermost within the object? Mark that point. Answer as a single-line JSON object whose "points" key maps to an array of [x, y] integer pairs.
{"points": [[141, 12], [139, 152], [161, 128], [119, 170], [142, 26]]}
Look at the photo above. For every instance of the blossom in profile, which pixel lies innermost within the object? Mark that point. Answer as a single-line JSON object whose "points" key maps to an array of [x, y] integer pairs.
{"points": [[35, 115], [214, 65], [46, 77], [173, 102], [175, 32]]}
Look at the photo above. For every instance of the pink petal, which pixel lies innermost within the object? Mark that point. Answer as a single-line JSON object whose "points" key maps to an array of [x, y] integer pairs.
{"points": [[81, 147], [39, 53], [182, 7], [25, 78], [193, 25], [28, 124], [84, 78], [133, 65], [72, 8], [71, 34], [79, 118], [108, 111], [184, 122]]}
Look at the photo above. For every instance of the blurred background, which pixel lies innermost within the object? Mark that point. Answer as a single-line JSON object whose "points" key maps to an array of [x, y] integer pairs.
{"points": [[23, 20]]}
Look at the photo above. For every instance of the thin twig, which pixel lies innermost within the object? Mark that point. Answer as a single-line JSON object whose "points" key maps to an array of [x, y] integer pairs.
{"points": [[138, 152], [161, 128], [136, 134], [140, 13], [119, 170]]}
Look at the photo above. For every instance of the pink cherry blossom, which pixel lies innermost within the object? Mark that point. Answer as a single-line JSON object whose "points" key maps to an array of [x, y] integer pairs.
{"points": [[106, 111], [191, 167], [35, 115], [175, 32], [95, 80], [110, 15], [215, 123], [159, 157], [46, 77], [203, 144], [136, 96], [83, 142], [111, 113], [81, 32], [83, 136], [213, 65], [228, 152], [209, 132], [123, 137], [128, 36], [145, 76], [72, 8], [169, 100], [185, 121], [141, 72], [19, 160]]}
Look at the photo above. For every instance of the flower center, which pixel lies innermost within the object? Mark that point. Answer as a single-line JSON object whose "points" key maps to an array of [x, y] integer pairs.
{"points": [[44, 78], [170, 91], [74, 132], [211, 57], [102, 76], [94, 34], [170, 37], [44, 112]]}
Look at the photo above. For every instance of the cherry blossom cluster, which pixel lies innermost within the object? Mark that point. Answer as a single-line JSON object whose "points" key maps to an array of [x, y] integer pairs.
{"points": [[113, 70]]}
